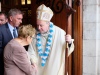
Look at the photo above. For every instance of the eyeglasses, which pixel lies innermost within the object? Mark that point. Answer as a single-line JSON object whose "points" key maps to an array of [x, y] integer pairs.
{"points": [[31, 36]]}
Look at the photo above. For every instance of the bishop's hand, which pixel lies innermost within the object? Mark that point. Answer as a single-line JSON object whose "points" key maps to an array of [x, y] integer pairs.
{"points": [[68, 38]]}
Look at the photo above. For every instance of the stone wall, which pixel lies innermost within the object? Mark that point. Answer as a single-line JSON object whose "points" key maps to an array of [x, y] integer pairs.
{"points": [[91, 37]]}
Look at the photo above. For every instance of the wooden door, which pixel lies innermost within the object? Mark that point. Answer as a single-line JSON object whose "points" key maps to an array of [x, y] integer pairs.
{"points": [[62, 18], [77, 56], [66, 18], [5, 5], [58, 14], [75, 60]]}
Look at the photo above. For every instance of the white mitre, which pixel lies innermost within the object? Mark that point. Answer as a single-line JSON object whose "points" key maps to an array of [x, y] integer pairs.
{"points": [[44, 13]]}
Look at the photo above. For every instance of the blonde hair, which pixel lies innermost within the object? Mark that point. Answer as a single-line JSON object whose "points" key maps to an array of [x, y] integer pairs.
{"points": [[26, 30]]}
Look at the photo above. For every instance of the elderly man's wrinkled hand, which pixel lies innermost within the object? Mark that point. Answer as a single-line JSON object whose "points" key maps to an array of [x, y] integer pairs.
{"points": [[68, 38]]}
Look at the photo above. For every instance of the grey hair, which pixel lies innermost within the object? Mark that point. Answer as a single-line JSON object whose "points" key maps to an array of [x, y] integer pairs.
{"points": [[14, 12]]}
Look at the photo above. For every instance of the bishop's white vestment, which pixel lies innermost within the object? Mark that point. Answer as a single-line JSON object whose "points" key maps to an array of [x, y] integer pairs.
{"points": [[55, 64]]}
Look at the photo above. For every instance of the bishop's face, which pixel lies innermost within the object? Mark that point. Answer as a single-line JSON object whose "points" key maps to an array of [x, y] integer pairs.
{"points": [[42, 26]]}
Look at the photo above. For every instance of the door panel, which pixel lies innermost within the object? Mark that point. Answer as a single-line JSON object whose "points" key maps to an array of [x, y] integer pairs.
{"points": [[66, 18], [62, 19]]}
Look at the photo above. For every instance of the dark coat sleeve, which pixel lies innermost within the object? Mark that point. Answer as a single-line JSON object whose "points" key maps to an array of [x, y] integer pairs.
{"points": [[1, 43], [5, 36]]}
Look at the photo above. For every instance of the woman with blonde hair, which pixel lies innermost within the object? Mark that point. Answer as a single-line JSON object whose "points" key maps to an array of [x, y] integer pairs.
{"points": [[16, 60]]}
